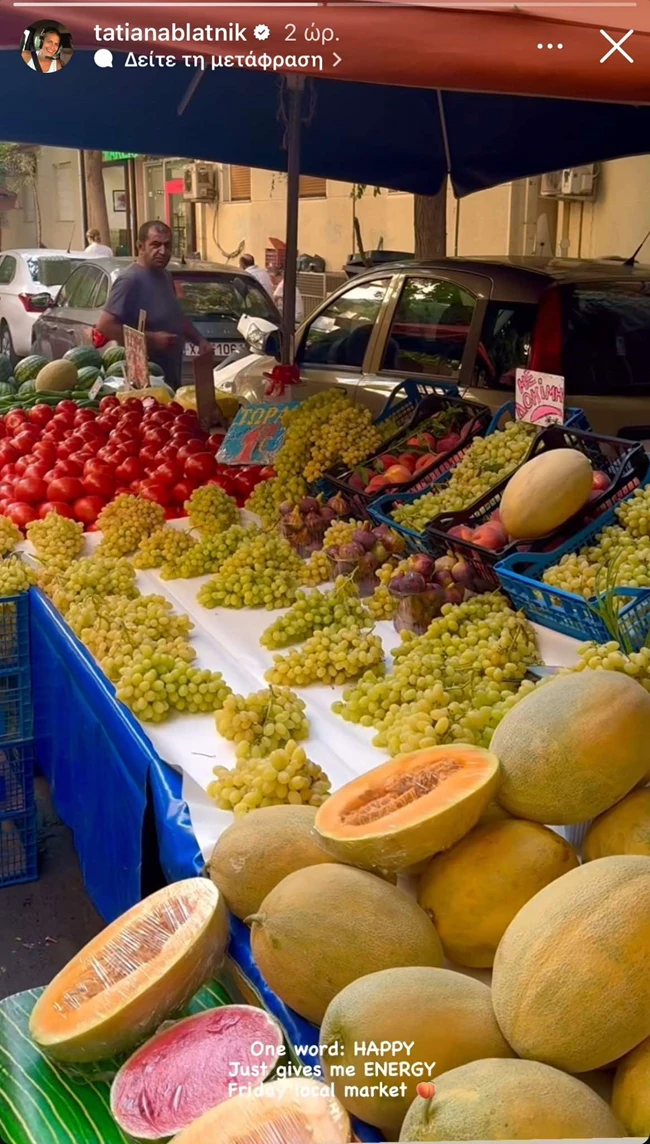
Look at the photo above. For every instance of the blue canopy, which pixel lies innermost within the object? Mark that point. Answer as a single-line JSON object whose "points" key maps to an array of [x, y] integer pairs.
{"points": [[388, 136]]}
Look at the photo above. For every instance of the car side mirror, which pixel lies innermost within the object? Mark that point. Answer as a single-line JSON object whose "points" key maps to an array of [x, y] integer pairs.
{"points": [[272, 344]]}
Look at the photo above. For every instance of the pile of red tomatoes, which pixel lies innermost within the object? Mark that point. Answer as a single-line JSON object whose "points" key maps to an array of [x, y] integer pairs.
{"points": [[74, 461]]}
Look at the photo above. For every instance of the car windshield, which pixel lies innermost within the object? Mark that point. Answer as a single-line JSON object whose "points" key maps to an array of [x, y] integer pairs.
{"points": [[50, 271], [606, 336], [203, 297]]}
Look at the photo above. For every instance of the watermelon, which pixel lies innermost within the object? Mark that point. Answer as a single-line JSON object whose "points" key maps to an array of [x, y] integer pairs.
{"points": [[83, 356], [118, 369], [155, 370], [112, 355], [5, 367], [29, 368], [8, 387], [27, 387], [87, 376]]}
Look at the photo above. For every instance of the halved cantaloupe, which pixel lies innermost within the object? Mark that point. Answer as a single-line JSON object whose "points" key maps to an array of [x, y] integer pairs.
{"points": [[143, 967], [409, 808], [294, 1110]]}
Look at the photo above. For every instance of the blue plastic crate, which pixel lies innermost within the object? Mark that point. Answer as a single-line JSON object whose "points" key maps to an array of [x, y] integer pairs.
{"points": [[16, 708], [520, 577], [14, 631], [406, 397], [574, 419], [18, 848], [16, 777]]}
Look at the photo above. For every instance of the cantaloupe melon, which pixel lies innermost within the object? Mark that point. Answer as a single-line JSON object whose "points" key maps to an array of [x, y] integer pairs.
{"points": [[291, 1111], [405, 810], [324, 926], [571, 985], [443, 1018], [631, 1092], [509, 1100], [143, 967], [625, 829], [259, 850], [57, 376], [573, 747], [474, 890], [545, 492]]}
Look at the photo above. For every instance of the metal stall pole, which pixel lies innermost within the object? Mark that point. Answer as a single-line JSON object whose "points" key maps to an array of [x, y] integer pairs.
{"points": [[295, 87]]}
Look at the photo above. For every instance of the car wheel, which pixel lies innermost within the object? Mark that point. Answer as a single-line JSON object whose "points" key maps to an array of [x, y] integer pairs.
{"points": [[6, 344]]}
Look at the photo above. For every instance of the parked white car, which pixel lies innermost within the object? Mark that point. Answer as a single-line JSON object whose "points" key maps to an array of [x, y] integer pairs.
{"points": [[28, 279]]}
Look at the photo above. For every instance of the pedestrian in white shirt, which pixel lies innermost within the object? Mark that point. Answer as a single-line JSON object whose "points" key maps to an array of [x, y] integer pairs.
{"points": [[278, 294], [96, 248], [247, 263]]}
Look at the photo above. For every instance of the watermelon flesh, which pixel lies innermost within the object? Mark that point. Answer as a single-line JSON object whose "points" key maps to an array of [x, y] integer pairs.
{"points": [[189, 1068]]}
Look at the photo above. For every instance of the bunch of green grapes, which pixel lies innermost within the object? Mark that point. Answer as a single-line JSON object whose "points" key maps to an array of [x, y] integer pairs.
{"points": [[211, 510], [634, 513], [262, 722], [10, 536], [207, 555], [164, 546], [487, 461], [452, 684], [102, 622], [56, 536], [615, 559], [332, 656], [15, 576], [382, 605], [92, 576], [154, 683], [340, 532], [263, 572], [337, 608], [317, 570], [611, 657], [263, 502], [286, 776], [114, 656], [126, 521]]}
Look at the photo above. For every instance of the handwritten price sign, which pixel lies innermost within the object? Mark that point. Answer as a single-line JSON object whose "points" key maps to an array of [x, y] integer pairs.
{"points": [[255, 435], [539, 398]]}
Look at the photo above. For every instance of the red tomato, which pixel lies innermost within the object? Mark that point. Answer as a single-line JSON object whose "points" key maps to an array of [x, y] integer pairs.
{"points": [[68, 468], [4, 505], [133, 405], [87, 509], [65, 449], [182, 491], [30, 490], [149, 456], [186, 420], [98, 468], [190, 447], [169, 452], [175, 407], [128, 423], [129, 470], [59, 507], [45, 449], [162, 416], [180, 438], [156, 436], [37, 470], [3, 431], [24, 442], [67, 409], [92, 435], [21, 513], [174, 511], [107, 403], [84, 415], [7, 490], [200, 466], [8, 454], [7, 471], [23, 462], [134, 487], [65, 489], [169, 472], [215, 441], [99, 485], [106, 422], [227, 484], [15, 420], [129, 447], [155, 491], [40, 414], [121, 490]]}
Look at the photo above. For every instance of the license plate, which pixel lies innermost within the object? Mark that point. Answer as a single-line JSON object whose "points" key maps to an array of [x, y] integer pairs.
{"points": [[220, 349]]}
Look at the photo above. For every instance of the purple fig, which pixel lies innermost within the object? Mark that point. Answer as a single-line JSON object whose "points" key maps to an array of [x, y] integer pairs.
{"points": [[351, 552], [454, 595], [327, 514], [344, 567], [313, 520], [370, 562], [445, 563], [338, 505], [461, 572], [364, 537], [309, 504], [444, 578], [425, 565]]}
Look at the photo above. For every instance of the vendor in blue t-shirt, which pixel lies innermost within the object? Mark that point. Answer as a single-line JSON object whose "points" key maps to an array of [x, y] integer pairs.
{"points": [[147, 285]]}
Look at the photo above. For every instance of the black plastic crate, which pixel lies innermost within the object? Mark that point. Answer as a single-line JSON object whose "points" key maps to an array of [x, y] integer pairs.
{"points": [[625, 462], [14, 631], [16, 777], [18, 848], [478, 416], [16, 709]]}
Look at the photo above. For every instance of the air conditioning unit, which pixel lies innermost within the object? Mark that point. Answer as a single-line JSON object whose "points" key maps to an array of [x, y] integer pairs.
{"points": [[200, 184], [551, 185], [579, 182]]}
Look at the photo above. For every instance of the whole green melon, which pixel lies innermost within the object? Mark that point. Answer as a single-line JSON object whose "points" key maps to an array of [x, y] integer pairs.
{"points": [[57, 376], [82, 356], [29, 367]]}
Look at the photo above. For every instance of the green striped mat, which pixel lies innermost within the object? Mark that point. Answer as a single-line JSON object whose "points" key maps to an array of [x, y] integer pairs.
{"points": [[41, 1104]]}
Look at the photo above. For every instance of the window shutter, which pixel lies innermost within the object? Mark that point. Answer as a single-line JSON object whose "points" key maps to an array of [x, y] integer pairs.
{"points": [[240, 184], [312, 188]]}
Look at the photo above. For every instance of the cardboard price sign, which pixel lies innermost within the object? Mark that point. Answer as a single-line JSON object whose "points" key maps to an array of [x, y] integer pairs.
{"points": [[137, 358], [539, 397], [256, 435], [207, 410]]}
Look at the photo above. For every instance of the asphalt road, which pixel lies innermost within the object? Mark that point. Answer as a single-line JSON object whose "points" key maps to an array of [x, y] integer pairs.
{"points": [[43, 923]]}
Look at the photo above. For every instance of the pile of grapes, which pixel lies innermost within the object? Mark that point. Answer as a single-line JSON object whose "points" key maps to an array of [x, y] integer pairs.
{"points": [[56, 537], [154, 683], [317, 570], [610, 657], [10, 536], [619, 556], [125, 522], [207, 555], [487, 461], [263, 503], [91, 576], [452, 684], [263, 572], [15, 576], [312, 611], [285, 776], [262, 722], [109, 622], [332, 655], [164, 546], [211, 510]]}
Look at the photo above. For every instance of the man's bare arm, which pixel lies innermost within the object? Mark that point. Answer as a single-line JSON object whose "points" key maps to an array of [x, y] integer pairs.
{"points": [[111, 328]]}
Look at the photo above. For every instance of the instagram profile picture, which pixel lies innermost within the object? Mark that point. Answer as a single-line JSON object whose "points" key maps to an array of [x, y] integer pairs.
{"points": [[46, 47]]}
